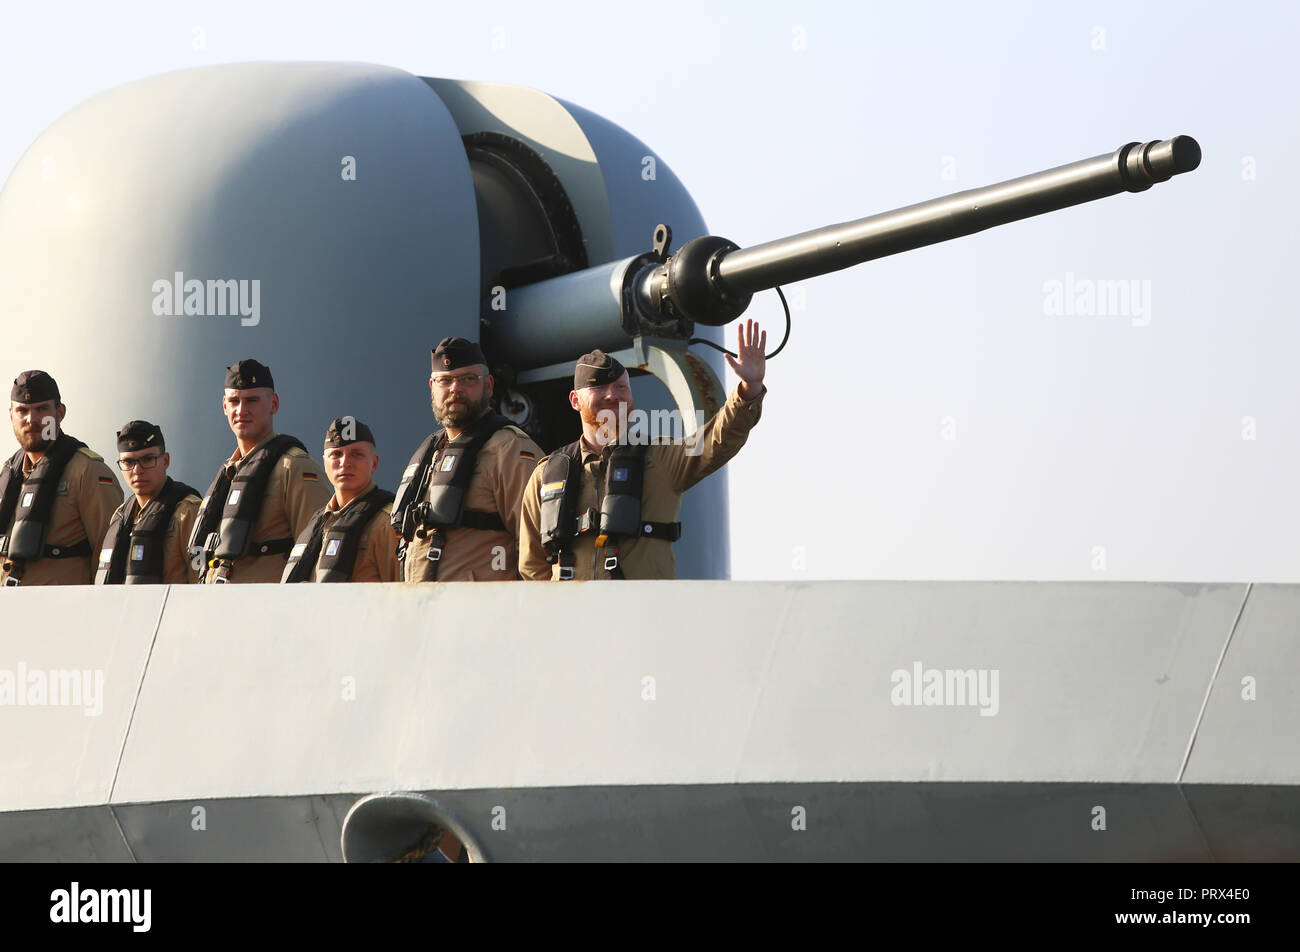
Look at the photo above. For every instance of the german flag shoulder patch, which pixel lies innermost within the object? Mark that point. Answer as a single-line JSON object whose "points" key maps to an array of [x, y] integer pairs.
{"points": [[524, 454], [105, 480], [311, 477]]}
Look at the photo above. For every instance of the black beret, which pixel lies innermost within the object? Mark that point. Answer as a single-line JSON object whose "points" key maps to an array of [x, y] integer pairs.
{"points": [[248, 374], [345, 430], [596, 370], [139, 435], [456, 352], [34, 386]]}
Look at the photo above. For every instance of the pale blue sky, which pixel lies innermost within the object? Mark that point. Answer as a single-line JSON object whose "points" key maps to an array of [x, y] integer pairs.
{"points": [[1070, 432]]}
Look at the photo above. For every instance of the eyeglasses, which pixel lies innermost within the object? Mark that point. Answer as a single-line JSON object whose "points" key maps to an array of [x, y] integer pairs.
{"points": [[144, 462], [444, 381]]}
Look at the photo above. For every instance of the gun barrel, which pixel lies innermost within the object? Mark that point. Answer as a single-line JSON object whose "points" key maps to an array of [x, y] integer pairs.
{"points": [[1130, 168], [710, 281]]}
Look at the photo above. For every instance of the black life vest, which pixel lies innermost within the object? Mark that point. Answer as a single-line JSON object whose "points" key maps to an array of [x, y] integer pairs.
{"points": [[448, 481], [132, 553], [29, 502], [231, 506], [331, 554], [618, 517], [446, 468]]}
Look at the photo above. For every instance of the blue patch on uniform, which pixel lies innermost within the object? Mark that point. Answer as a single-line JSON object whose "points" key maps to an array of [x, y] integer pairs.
{"points": [[620, 474]]}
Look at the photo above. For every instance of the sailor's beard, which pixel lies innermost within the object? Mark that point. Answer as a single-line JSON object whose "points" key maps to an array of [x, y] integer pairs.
{"points": [[459, 415]]}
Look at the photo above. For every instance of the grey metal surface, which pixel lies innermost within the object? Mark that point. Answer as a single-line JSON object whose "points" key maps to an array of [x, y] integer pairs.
{"points": [[895, 822], [1257, 736], [237, 172], [548, 127], [902, 822], [478, 692], [85, 834], [258, 829], [560, 319], [67, 754]]}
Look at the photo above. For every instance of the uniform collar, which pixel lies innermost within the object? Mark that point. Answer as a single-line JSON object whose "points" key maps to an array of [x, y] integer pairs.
{"points": [[236, 459], [333, 504], [133, 503], [28, 465]]}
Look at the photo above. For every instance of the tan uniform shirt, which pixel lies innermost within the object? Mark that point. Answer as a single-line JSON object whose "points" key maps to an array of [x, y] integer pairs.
{"points": [[483, 555], [377, 547], [670, 470], [296, 490], [88, 492], [179, 567]]}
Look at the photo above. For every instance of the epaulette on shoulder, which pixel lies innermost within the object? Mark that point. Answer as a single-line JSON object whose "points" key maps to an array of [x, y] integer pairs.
{"points": [[295, 451], [195, 497], [91, 453], [388, 507]]}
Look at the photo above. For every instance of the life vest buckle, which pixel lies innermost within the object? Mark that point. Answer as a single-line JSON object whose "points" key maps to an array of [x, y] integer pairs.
{"points": [[437, 539]]}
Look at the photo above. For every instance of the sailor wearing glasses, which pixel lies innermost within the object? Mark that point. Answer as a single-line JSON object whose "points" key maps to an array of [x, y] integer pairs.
{"points": [[457, 507], [56, 495], [148, 538]]}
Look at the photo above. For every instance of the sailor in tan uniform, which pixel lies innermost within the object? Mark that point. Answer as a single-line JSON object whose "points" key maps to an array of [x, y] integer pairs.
{"points": [[264, 495], [601, 508], [56, 495], [457, 508], [148, 538], [351, 539]]}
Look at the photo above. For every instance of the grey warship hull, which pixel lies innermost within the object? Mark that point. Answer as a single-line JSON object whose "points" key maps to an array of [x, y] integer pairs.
{"points": [[724, 721]]}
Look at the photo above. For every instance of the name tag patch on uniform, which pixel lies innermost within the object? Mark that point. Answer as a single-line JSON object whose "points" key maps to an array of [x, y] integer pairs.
{"points": [[105, 556], [27, 499], [233, 498], [447, 463], [409, 471], [298, 550], [551, 490], [137, 553], [333, 548]]}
